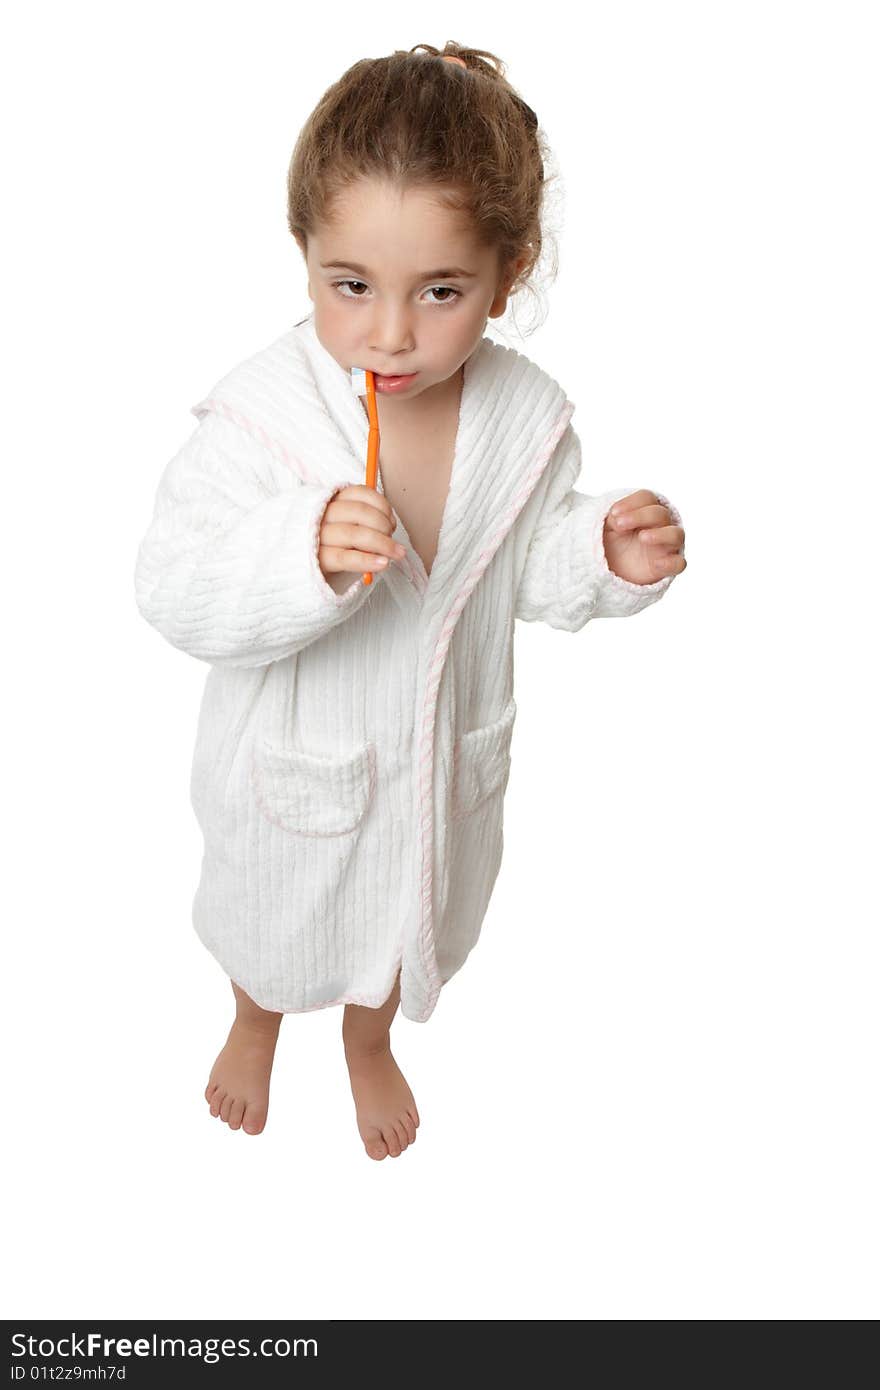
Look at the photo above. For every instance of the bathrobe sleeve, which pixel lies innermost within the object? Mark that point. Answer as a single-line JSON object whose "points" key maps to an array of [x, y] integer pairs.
{"points": [[565, 580], [228, 569]]}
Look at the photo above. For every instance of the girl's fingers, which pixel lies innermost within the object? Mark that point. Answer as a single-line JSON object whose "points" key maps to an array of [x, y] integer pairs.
{"points": [[670, 563], [335, 559], [664, 535], [634, 500], [351, 536], [633, 518], [368, 507]]}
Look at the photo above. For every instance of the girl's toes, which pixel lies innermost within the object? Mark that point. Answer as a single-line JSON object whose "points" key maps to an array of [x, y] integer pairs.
{"points": [[392, 1141], [225, 1108], [236, 1114], [254, 1119], [217, 1100], [376, 1148], [210, 1089], [410, 1128], [414, 1115], [402, 1136]]}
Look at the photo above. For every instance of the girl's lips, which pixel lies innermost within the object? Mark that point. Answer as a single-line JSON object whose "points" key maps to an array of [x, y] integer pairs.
{"points": [[387, 384]]}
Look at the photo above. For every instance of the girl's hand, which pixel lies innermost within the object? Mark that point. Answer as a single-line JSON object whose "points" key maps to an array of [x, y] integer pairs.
{"points": [[355, 533], [641, 543]]}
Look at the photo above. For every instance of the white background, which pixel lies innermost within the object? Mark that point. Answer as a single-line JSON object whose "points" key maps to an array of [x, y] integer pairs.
{"points": [[652, 1091]]}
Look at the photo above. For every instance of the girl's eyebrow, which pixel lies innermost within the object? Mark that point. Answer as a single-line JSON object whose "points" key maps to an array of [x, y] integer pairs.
{"points": [[448, 274]]}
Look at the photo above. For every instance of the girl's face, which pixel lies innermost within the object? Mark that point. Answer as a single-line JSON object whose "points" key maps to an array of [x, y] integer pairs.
{"points": [[400, 285]]}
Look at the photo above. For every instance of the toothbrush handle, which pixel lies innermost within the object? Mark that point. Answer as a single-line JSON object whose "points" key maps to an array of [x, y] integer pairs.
{"points": [[372, 444]]}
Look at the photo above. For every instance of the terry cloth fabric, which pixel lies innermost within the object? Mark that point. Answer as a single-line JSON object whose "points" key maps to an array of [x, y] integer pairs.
{"points": [[353, 746]]}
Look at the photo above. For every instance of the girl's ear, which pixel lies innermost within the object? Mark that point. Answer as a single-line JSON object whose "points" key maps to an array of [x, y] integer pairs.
{"points": [[499, 303]]}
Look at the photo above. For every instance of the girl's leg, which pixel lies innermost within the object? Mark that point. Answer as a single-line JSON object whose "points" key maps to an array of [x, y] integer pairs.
{"points": [[369, 1030], [238, 1087], [386, 1111]]}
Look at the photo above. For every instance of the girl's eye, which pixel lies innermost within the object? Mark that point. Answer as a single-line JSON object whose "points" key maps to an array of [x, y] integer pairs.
{"points": [[445, 289], [442, 289], [338, 283]]}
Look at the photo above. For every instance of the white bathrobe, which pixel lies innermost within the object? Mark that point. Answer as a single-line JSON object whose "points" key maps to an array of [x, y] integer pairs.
{"points": [[353, 747]]}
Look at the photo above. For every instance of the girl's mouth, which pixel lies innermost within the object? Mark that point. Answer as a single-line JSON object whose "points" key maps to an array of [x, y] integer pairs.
{"points": [[389, 384]]}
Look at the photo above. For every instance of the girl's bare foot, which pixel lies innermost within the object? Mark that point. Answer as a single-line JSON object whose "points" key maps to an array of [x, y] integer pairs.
{"points": [[238, 1087], [386, 1111]]}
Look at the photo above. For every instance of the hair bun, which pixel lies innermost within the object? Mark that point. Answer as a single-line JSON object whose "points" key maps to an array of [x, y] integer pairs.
{"points": [[529, 116]]}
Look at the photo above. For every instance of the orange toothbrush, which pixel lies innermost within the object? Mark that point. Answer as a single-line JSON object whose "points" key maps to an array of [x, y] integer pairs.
{"points": [[363, 383]]}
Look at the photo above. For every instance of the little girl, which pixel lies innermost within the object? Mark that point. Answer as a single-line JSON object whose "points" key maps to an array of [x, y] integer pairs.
{"points": [[354, 738]]}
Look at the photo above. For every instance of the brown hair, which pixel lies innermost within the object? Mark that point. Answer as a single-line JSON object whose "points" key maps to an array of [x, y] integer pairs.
{"points": [[417, 121]]}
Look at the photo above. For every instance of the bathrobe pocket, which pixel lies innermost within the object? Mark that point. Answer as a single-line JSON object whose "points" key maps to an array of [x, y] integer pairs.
{"points": [[481, 763], [313, 794], [317, 804], [481, 766]]}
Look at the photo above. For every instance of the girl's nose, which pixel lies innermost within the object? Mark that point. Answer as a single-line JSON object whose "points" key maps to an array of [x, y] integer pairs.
{"points": [[391, 333]]}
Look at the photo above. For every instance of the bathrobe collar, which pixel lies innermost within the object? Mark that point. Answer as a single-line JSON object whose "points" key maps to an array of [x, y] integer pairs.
{"points": [[296, 398]]}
